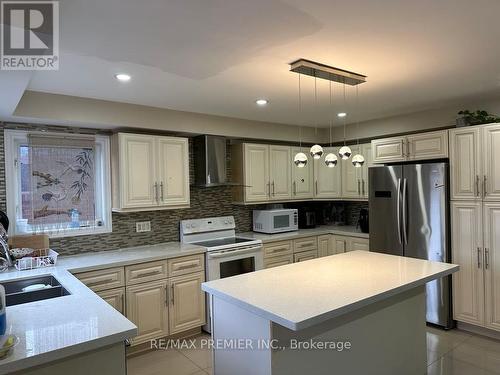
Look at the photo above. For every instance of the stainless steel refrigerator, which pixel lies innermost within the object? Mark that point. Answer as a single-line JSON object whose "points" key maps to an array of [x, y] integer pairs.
{"points": [[409, 216]]}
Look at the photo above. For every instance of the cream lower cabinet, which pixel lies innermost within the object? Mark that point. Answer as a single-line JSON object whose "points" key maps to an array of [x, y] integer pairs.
{"points": [[147, 308], [339, 244], [278, 253], [476, 248], [305, 255], [342, 244], [149, 172], [115, 297], [187, 303], [325, 247]]}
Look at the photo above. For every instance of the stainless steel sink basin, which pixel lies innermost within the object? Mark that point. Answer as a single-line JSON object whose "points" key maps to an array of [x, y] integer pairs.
{"points": [[14, 294]]}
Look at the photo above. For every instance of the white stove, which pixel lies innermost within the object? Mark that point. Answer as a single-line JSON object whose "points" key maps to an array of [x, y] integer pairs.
{"points": [[226, 254]]}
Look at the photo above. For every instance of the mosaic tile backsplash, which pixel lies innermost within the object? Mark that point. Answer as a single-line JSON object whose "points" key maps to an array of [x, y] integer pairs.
{"points": [[205, 202]]}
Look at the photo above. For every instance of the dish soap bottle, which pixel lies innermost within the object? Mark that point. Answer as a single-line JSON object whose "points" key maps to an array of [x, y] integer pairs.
{"points": [[3, 315]]}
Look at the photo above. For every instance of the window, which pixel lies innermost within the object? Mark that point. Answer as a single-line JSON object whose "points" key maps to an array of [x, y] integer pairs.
{"points": [[61, 188]]}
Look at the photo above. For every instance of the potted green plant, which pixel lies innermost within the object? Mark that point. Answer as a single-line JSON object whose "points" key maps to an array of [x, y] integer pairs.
{"points": [[478, 117]]}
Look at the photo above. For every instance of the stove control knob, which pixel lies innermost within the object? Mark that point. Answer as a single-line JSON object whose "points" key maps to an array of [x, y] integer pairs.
{"points": [[193, 225], [226, 222]]}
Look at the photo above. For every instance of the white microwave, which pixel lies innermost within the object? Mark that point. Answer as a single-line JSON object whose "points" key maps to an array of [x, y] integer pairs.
{"points": [[275, 221]]}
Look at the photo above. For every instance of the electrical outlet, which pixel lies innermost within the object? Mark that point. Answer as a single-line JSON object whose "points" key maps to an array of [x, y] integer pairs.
{"points": [[143, 226]]}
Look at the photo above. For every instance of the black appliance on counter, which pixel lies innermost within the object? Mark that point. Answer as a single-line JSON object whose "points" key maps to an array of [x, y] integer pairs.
{"points": [[363, 222], [307, 218]]}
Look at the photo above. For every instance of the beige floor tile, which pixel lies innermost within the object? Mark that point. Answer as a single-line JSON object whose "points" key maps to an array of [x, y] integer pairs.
{"points": [[481, 352], [441, 342], [202, 355], [432, 356], [450, 366], [161, 362]]}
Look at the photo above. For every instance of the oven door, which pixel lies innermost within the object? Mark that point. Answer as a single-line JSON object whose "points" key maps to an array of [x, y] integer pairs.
{"points": [[227, 263]]}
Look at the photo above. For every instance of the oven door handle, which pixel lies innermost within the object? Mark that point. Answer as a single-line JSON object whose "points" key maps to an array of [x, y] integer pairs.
{"points": [[225, 253]]}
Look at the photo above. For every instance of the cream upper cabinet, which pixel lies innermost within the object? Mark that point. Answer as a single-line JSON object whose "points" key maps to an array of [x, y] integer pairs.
{"points": [[351, 176], [423, 146], [302, 178], [149, 172], [147, 309], [256, 170], [492, 265], [327, 181], [467, 252], [173, 171], [491, 171], [137, 176], [187, 302], [367, 153], [465, 163], [431, 145], [280, 172], [325, 247], [388, 150]]}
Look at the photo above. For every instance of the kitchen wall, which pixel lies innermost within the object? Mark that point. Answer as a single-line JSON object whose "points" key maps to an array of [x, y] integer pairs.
{"points": [[205, 202]]}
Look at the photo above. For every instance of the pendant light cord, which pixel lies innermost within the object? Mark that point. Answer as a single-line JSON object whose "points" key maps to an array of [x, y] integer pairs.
{"points": [[331, 111], [300, 118], [357, 114], [315, 105], [344, 119]]}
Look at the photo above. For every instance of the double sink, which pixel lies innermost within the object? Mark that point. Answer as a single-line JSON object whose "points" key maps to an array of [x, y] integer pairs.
{"points": [[16, 294]]}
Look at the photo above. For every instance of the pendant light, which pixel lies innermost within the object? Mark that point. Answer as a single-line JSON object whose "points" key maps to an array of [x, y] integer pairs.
{"points": [[358, 160], [345, 151], [331, 159], [316, 150], [300, 159]]}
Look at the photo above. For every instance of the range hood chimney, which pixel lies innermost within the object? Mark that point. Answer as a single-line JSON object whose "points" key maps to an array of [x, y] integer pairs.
{"points": [[210, 160]]}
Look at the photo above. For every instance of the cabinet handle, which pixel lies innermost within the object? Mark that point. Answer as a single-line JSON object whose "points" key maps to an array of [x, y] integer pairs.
{"points": [[161, 191], [407, 148], [316, 188], [363, 186], [166, 295], [156, 191], [485, 190], [279, 250], [477, 186], [100, 282], [294, 188], [359, 187], [173, 294], [273, 188], [479, 257], [192, 264], [486, 258], [146, 274], [269, 189], [122, 297]]}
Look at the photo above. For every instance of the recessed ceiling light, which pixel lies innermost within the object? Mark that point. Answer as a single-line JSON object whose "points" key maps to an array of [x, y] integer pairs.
{"points": [[261, 102], [341, 114], [122, 77]]}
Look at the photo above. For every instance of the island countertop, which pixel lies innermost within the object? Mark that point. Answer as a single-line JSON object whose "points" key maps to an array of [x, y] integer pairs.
{"points": [[301, 295]]}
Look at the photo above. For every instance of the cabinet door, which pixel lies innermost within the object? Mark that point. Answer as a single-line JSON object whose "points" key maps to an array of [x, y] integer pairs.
{"points": [[280, 172], [431, 145], [115, 297], [367, 153], [256, 172], [147, 309], [325, 245], [305, 255], [278, 261], [355, 243], [491, 189], [492, 264], [173, 171], [339, 244], [465, 164], [137, 170], [187, 302], [302, 178], [387, 150], [351, 177], [467, 252], [327, 181]]}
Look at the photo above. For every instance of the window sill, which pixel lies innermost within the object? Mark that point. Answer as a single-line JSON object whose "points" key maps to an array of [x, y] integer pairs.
{"points": [[78, 233]]}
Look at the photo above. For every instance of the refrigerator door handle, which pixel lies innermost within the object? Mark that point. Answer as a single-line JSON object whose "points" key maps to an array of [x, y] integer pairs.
{"points": [[398, 211], [405, 229]]}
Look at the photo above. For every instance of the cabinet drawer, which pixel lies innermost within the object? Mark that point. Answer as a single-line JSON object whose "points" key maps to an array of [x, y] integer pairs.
{"points": [[279, 260], [103, 279], [280, 248], [184, 265], [305, 255], [304, 244], [139, 273]]}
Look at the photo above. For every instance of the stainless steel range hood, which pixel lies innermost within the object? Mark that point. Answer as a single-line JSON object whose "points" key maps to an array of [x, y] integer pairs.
{"points": [[210, 160]]}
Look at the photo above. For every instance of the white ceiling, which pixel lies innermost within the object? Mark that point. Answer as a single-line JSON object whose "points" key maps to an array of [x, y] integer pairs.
{"points": [[218, 56]]}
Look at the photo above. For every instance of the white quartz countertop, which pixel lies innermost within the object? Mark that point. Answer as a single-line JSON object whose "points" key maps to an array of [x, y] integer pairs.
{"points": [[341, 230], [304, 294], [59, 327]]}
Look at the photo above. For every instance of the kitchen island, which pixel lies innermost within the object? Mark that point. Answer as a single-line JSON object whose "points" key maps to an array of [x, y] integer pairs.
{"points": [[352, 313]]}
